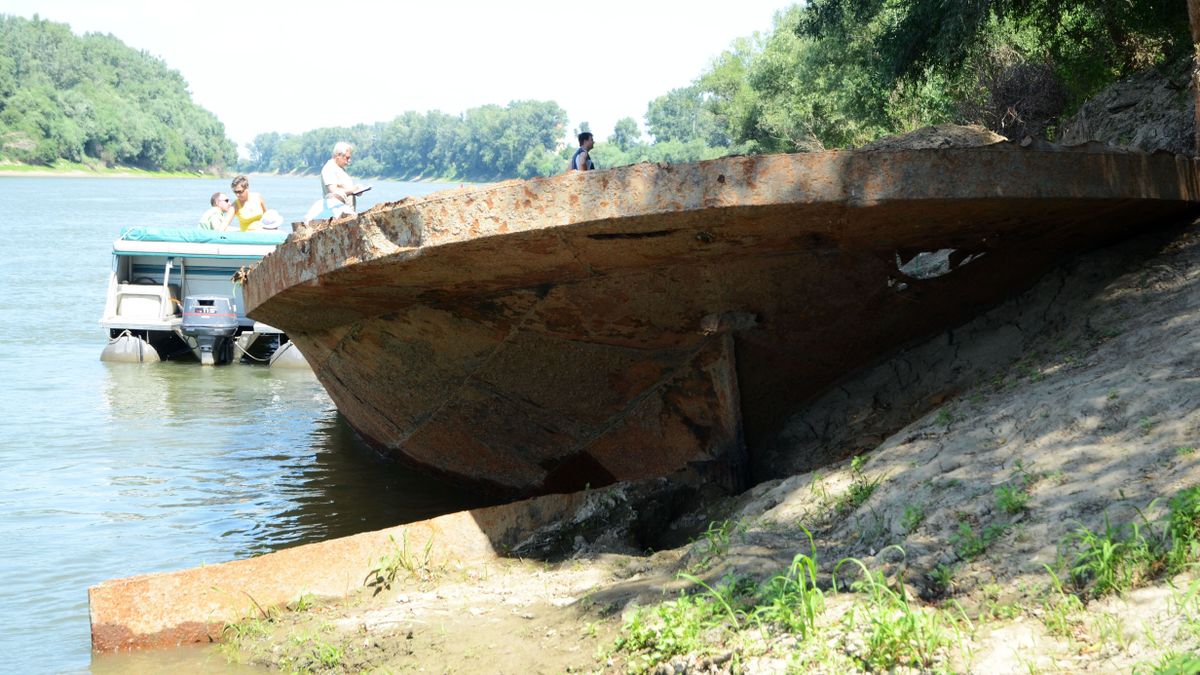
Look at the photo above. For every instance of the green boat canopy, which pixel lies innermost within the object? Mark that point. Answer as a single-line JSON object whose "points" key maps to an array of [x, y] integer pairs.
{"points": [[196, 235]]}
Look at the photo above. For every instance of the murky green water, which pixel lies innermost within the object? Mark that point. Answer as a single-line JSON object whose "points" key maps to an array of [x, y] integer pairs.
{"points": [[110, 470]]}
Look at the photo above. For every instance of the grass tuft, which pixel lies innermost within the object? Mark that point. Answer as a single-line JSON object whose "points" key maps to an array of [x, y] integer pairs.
{"points": [[399, 560]]}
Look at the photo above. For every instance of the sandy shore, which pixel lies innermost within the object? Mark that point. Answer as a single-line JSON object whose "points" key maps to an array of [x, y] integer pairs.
{"points": [[1072, 407]]}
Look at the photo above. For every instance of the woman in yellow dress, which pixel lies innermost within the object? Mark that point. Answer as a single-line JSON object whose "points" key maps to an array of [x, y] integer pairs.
{"points": [[250, 206]]}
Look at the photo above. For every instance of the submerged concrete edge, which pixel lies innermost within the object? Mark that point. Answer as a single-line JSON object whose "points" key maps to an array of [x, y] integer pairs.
{"points": [[190, 606]]}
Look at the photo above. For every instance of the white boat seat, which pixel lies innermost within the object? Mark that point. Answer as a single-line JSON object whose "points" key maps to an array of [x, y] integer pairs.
{"points": [[143, 302]]}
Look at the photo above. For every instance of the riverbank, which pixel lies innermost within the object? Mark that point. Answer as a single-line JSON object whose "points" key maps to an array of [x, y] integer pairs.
{"points": [[65, 169], [366, 179], [1029, 504]]}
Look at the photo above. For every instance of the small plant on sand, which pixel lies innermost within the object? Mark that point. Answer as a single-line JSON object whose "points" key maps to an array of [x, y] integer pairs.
{"points": [[1025, 476], [327, 655], [912, 518], [792, 600], [245, 629], [1012, 499], [1173, 663], [712, 545], [1110, 629], [896, 633], [1062, 611], [652, 635], [1185, 451], [1030, 372], [860, 490], [942, 577], [994, 609], [945, 417], [1109, 560], [1183, 530], [399, 560], [1123, 556], [303, 603], [969, 544]]}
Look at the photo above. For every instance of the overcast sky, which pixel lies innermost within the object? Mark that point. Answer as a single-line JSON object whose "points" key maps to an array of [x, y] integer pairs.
{"points": [[270, 65]]}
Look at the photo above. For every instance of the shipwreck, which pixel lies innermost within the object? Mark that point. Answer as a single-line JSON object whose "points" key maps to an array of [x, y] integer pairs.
{"points": [[548, 335]]}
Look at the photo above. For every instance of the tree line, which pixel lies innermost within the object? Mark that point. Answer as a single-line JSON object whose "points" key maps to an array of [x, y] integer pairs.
{"points": [[484, 143], [828, 74], [92, 98]]}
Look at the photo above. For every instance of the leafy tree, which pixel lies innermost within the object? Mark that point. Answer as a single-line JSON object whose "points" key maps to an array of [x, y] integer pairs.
{"points": [[93, 98], [625, 134], [680, 115], [1093, 41], [834, 73]]}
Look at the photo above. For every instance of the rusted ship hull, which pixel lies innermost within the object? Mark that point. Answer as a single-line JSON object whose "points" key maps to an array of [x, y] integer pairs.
{"points": [[541, 336]]}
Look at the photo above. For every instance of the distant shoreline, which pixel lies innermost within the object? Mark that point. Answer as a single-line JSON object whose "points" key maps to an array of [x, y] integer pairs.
{"points": [[83, 171], [74, 170]]}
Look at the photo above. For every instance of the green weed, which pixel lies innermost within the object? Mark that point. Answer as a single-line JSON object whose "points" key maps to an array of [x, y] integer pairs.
{"points": [[1032, 373], [792, 600], [245, 629], [304, 602], [1122, 556], [713, 544], [968, 544], [655, 634], [1183, 530], [1025, 475], [945, 417], [400, 559], [1109, 628], [1109, 560], [912, 518], [942, 577], [326, 654], [1174, 663], [895, 633], [993, 608], [1012, 499], [860, 490], [1061, 610], [1185, 451]]}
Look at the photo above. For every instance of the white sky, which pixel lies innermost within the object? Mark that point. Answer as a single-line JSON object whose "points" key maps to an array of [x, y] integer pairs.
{"points": [[274, 65]]}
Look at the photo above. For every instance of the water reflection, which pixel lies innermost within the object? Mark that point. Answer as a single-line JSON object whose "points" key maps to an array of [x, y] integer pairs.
{"points": [[256, 458]]}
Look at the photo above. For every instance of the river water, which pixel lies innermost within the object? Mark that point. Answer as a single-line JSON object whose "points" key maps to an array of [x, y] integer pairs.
{"points": [[111, 470]]}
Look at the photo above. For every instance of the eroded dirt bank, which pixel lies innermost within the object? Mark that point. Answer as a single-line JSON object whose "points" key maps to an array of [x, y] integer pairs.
{"points": [[973, 464]]}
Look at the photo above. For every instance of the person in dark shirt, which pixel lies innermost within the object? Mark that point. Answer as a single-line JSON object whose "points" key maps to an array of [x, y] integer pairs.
{"points": [[581, 161]]}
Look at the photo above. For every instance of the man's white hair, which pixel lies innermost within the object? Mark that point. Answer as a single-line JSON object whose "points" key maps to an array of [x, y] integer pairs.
{"points": [[341, 148]]}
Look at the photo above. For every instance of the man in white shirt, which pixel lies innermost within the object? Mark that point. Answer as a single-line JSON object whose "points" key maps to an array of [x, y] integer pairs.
{"points": [[336, 184]]}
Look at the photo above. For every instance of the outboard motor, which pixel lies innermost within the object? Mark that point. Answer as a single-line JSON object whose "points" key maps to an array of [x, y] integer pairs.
{"points": [[212, 321]]}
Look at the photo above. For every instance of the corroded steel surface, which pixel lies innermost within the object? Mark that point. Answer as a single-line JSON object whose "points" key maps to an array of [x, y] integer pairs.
{"points": [[537, 336], [192, 606]]}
